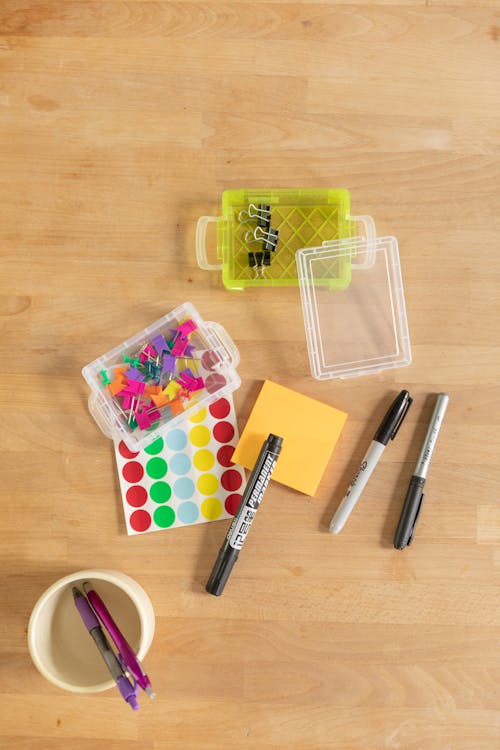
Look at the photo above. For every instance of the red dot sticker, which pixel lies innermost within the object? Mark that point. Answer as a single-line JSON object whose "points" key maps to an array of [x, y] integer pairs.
{"points": [[214, 382], [210, 359], [220, 409], [223, 432], [225, 454], [133, 472], [136, 496], [140, 520], [231, 480], [125, 452], [232, 503]]}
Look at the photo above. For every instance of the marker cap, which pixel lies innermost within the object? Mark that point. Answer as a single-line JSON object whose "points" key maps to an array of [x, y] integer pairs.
{"points": [[221, 570], [393, 418]]}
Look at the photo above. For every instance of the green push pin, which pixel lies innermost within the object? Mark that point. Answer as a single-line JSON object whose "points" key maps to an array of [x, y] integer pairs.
{"points": [[105, 378], [134, 361]]}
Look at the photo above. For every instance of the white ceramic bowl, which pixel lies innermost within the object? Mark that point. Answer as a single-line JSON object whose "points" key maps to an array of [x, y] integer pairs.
{"points": [[59, 644]]}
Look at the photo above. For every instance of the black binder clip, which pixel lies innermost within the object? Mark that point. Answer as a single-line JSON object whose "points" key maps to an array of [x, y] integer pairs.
{"points": [[269, 237], [263, 232], [262, 213], [256, 261]]}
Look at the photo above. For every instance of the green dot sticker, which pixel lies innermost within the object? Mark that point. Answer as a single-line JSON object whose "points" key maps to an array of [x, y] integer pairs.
{"points": [[160, 492], [164, 516], [156, 468], [155, 447]]}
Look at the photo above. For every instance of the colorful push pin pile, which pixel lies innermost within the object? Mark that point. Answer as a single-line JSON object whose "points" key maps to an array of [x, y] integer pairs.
{"points": [[148, 387]]}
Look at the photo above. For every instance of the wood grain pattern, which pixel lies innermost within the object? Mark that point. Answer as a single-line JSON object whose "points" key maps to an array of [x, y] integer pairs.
{"points": [[121, 123]]}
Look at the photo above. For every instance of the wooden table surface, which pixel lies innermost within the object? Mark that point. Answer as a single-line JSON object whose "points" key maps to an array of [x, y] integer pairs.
{"points": [[121, 123]]}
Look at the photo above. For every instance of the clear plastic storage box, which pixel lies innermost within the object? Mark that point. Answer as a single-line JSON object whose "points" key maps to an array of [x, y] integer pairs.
{"points": [[260, 231], [362, 328], [151, 382]]}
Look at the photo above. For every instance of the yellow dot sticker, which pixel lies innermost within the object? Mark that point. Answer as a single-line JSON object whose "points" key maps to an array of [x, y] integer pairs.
{"points": [[211, 508], [207, 484], [199, 416], [203, 460], [199, 435]]}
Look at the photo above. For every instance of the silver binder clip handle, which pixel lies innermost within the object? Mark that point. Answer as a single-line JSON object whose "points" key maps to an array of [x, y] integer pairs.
{"points": [[261, 212]]}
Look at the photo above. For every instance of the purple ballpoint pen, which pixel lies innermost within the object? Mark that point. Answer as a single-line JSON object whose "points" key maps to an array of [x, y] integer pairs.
{"points": [[128, 656], [128, 691]]}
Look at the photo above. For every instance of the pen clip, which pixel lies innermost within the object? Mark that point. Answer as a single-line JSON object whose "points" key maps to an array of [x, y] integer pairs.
{"points": [[401, 418], [127, 673], [412, 532]]}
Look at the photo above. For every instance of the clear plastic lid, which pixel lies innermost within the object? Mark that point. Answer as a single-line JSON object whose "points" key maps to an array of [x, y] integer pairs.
{"points": [[362, 328]]}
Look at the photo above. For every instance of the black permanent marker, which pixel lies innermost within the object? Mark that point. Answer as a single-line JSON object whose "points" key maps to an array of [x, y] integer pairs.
{"points": [[254, 492]]}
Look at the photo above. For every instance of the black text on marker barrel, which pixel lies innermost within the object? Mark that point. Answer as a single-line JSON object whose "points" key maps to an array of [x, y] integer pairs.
{"points": [[254, 492]]}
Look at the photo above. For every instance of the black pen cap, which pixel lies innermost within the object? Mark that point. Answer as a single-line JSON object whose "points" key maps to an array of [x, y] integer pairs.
{"points": [[222, 570], [393, 418], [274, 443], [410, 513]]}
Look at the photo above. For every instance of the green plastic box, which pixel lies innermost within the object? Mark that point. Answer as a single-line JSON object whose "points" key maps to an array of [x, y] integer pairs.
{"points": [[304, 217]]}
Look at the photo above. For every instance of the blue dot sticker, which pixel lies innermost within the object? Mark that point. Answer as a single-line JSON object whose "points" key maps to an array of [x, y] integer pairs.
{"points": [[176, 440], [187, 512], [184, 488], [180, 463]]}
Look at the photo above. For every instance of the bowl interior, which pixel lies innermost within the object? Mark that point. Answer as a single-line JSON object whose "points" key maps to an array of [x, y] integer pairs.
{"points": [[62, 647]]}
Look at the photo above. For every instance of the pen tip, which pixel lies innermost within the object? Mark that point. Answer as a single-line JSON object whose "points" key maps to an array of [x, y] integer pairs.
{"points": [[86, 586], [150, 692], [76, 592]]}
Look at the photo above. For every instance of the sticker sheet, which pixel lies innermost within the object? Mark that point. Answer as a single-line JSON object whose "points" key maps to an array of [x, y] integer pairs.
{"points": [[185, 477]]}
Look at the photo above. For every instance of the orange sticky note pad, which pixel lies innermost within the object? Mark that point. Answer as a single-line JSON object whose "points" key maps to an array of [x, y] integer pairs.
{"points": [[309, 428]]}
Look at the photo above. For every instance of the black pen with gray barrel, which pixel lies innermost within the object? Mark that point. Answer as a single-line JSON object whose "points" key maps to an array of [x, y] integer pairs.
{"points": [[415, 495]]}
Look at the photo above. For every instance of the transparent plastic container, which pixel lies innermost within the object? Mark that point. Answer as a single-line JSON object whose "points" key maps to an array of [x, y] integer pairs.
{"points": [[362, 328], [302, 216], [212, 356]]}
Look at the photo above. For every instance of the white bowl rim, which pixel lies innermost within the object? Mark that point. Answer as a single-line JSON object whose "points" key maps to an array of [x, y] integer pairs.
{"points": [[117, 578]]}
